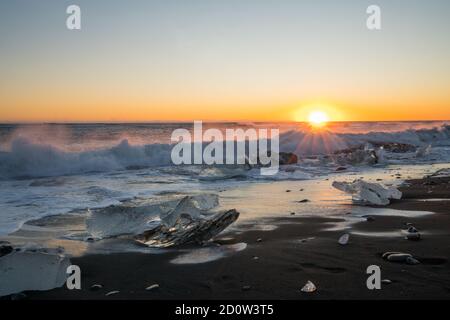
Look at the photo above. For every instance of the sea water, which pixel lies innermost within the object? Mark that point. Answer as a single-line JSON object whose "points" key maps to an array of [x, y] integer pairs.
{"points": [[66, 169]]}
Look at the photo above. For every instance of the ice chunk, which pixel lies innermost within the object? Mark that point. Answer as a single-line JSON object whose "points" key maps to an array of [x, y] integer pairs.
{"points": [[191, 206], [309, 287], [37, 270], [368, 193], [186, 230]]}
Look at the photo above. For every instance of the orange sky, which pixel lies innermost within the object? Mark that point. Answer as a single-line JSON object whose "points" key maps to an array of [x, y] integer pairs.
{"points": [[223, 61]]}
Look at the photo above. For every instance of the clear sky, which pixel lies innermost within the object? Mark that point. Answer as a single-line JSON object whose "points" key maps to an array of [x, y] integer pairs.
{"points": [[266, 60]]}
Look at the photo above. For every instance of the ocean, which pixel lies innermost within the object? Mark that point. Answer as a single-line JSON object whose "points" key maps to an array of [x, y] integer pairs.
{"points": [[58, 169]]}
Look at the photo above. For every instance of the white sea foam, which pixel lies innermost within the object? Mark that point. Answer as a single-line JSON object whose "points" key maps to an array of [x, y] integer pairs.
{"points": [[25, 158]]}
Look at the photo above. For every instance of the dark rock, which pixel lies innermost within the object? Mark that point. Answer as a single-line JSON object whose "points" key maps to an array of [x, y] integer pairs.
{"points": [[288, 158], [341, 168], [303, 201], [5, 249]]}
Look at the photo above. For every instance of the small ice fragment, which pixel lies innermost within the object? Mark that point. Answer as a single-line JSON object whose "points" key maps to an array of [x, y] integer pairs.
{"points": [[309, 287], [343, 240]]}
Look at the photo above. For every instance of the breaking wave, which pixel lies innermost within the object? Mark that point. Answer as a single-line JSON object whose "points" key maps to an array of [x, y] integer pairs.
{"points": [[26, 158]]}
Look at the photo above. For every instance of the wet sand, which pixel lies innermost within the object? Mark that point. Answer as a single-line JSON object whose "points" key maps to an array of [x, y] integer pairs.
{"points": [[286, 262]]}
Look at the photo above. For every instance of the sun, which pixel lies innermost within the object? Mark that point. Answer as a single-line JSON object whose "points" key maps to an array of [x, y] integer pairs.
{"points": [[318, 118]]}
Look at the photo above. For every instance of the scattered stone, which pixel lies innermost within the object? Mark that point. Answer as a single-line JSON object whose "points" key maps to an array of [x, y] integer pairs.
{"points": [[399, 257], [343, 240], [152, 287], [309, 287], [96, 287], [259, 240], [246, 288], [112, 293], [5, 249], [387, 254], [303, 201], [301, 190], [292, 213], [255, 258], [288, 190], [412, 261], [411, 229], [341, 168], [370, 218], [413, 236]]}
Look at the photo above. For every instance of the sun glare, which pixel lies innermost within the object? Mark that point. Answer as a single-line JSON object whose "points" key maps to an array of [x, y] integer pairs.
{"points": [[318, 118]]}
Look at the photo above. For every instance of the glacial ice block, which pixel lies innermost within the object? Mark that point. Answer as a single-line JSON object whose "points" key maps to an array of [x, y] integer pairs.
{"points": [[27, 270], [368, 193]]}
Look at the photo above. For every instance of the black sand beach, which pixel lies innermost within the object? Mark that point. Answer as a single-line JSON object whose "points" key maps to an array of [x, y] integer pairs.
{"points": [[287, 257]]}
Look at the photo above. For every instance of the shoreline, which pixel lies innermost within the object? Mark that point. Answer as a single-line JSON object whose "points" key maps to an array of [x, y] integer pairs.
{"points": [[300, 249]]}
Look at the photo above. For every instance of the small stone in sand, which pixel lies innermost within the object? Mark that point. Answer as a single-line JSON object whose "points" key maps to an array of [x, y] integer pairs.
{"points": [[309, 287], [255, 258], [398, 257], [246, 288], [152, 287], [111, 293], [343, 240], [259, 240], [303, 201], [288, 190], [412, 261], [96, 287], [413, 236], [292, 213]]}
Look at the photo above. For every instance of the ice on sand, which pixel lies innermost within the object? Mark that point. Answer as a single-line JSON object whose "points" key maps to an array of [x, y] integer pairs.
{"points": [[367, 193]]}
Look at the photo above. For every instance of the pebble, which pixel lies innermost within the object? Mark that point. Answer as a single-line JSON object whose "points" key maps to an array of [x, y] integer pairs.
{"points": [[111, 293], [152, 287], [412, 261], [259, 240], [246, 288], [292, 213], [343, 240], [398, 257], [304, 201], [411, 229], [96, 287], [413, 236]]}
